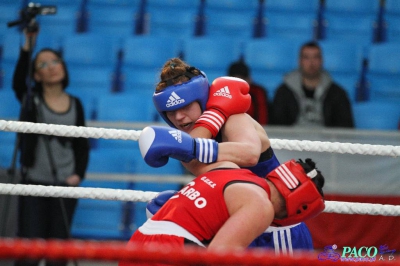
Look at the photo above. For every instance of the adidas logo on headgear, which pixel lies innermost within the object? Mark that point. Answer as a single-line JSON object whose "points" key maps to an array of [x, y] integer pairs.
{"points": [[176, 134], [174, 99], [223, 92]]}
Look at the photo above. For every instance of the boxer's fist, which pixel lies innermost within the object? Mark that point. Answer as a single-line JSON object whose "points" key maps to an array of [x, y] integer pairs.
{"points": [[156, 203], [158, 143], [227, 96]]}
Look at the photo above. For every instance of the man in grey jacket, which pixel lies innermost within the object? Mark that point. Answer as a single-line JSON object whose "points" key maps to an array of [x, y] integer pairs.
{"points": [[309, 96]]}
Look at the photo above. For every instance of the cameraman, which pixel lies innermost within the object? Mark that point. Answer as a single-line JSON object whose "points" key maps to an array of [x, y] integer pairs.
{"points": [[47, 160]]}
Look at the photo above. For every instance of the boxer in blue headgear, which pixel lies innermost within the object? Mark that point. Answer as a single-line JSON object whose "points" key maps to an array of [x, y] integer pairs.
{"points": [[240, 138], [182, 89], [182, 85]]}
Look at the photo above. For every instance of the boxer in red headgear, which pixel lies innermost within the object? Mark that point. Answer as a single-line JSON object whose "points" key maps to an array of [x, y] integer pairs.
{"points": [[303, 197], [227, 207]]}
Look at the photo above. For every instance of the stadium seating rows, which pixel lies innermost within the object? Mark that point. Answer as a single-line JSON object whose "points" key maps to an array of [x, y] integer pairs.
{"points": [[112, 87]]}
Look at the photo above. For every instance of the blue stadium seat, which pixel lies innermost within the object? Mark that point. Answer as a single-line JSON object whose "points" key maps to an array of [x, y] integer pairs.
{"points": [[231, 24], [270, 59], [101, 219], [7, 72], [149, 52], [11, 42], [111, 160], [9, 12], [269, 80], [341, 26], [129, 107], [342, 57], [61, 2], [378, 115], [138, 79], [48, 40], [88, 84], [393, 27], [384, 89], [95, 78], [299, 26], [233, 5], [89, 49], [293, 6], [114, 3], [352, 7], [64, 22], [384, 59], [272, 54], [211, 54], [10, 106], [171, 4], [118, 144], [161, 24], [392, 7], [174, 167], [174, 18], [115, 21]]}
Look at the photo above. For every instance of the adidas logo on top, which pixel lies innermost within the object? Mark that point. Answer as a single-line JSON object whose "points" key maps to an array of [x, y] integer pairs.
{"points": [[287, 176], [174, 99], [176, 134], [223, 92]]}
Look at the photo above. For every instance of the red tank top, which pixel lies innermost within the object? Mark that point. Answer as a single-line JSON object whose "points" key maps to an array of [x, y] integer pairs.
{"points": [[200, 207]]}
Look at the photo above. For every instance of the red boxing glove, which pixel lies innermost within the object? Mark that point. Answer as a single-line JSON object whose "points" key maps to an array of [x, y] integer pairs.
{"points": [[227, 96]]}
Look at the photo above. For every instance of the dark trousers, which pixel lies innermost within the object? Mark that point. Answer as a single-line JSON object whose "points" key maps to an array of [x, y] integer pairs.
{"points": [[42, 217]]}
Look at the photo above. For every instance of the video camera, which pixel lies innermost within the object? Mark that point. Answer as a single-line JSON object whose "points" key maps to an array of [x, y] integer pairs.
{"points": [[28, 14]]}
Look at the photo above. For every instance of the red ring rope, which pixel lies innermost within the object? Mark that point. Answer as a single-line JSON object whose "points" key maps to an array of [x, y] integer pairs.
{"points": [[118, 251]]}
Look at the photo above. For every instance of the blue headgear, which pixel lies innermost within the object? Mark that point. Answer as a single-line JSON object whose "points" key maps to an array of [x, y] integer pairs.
{"points": [[177, 96]]}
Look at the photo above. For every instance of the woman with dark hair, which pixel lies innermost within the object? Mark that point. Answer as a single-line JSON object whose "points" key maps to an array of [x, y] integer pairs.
{"points": [[47, 160]]}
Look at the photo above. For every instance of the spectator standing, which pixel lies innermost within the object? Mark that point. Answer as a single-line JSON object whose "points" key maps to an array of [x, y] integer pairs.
{"points": [[47, 160], [259, 108], [309, 96]]}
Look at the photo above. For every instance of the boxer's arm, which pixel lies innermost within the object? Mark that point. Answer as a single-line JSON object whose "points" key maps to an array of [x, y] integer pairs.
{"points": [[227, 96], [241, 144], [251, 212]]}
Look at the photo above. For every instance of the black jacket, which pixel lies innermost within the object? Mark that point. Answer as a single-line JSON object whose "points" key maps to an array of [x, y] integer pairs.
{"points": [[28, 113], [336, 107]]}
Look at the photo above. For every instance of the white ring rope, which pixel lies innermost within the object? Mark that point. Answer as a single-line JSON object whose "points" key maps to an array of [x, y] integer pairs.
{"points": [[336, 147], [69, 131], [137, 195], [77, 192], [298, 145]]}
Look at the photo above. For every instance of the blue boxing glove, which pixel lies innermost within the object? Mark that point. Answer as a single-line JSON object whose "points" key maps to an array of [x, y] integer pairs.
{"points": [[156, 203], [158, 143]]}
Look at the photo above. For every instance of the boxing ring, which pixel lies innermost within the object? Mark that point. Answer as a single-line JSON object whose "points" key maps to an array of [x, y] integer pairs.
{"points": [[11, 248]]}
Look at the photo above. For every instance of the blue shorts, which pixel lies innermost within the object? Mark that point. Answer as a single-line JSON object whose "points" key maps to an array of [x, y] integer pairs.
{"points": [[285, 239]]}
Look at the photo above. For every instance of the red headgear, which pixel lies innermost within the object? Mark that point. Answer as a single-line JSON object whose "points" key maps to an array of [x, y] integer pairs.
{"points": [[303, 201]]}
